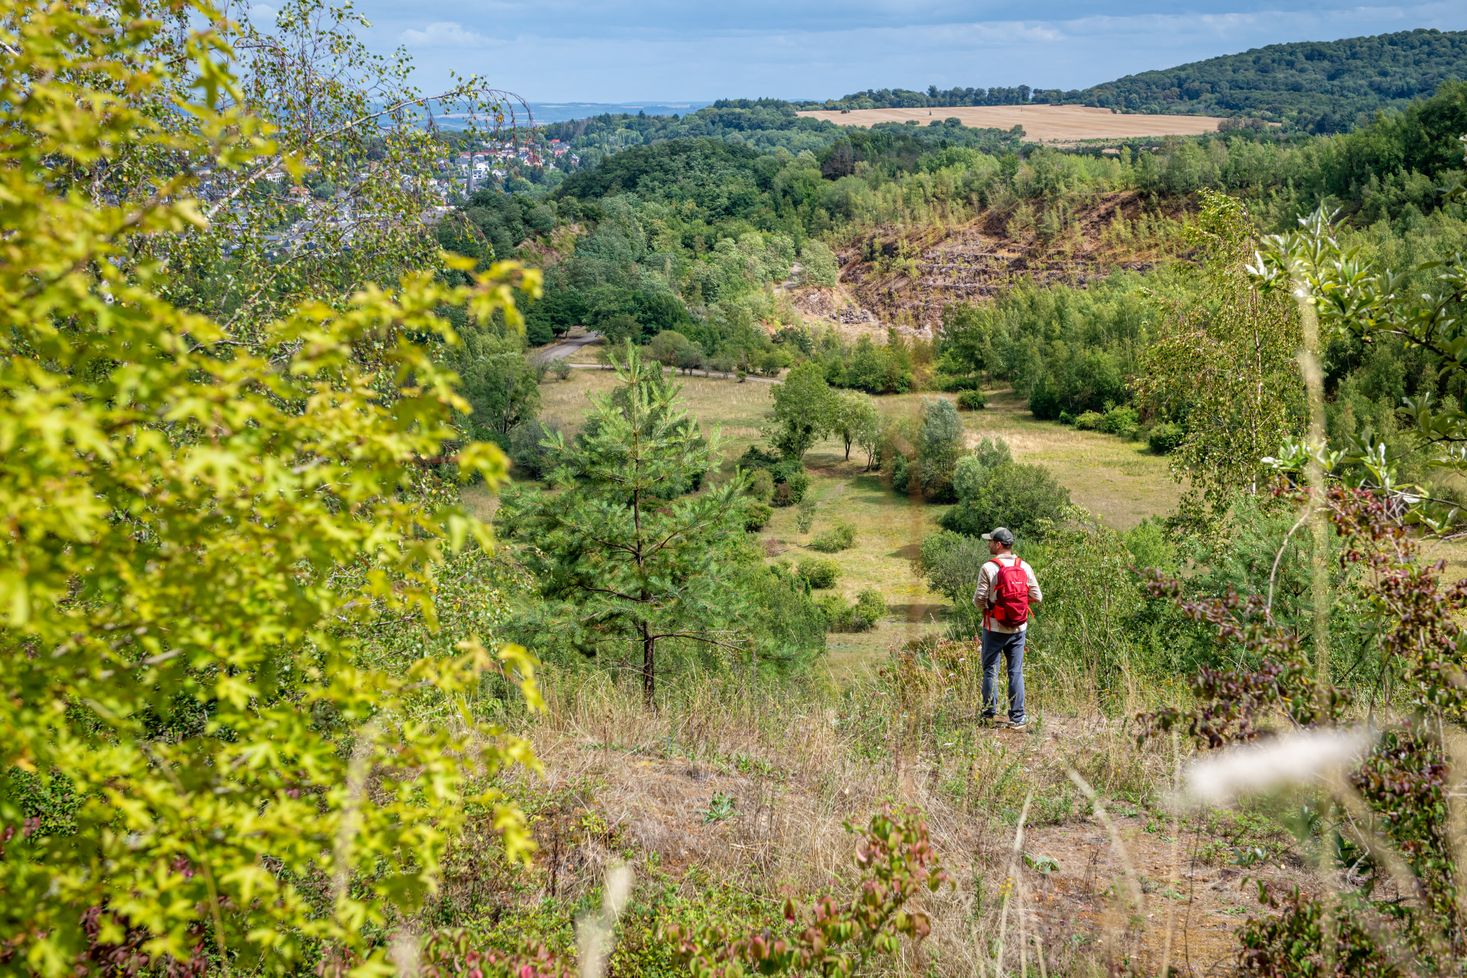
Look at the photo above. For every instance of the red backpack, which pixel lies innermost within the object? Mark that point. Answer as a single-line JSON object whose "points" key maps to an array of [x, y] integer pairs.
{"points": [[1010, 594]]}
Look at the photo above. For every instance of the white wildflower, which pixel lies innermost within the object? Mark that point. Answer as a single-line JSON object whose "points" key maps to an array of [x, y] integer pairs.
{"points": [[1292, 759], [594, 930]]}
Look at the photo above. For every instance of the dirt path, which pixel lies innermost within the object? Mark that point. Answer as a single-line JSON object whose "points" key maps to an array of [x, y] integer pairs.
{"points": [[566, 346]]}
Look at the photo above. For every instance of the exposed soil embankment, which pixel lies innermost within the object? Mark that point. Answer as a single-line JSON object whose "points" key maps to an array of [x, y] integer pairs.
{"points": [[905, 276]]}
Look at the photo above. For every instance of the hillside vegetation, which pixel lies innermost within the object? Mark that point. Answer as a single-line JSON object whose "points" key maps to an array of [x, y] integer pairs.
{"points": [[1318, 86], [345, 633]]}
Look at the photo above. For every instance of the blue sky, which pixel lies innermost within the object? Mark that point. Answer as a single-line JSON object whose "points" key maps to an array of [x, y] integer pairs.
{"points": [[616, 51]]}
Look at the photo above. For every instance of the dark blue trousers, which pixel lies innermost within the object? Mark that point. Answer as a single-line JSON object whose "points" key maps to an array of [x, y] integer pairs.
{"points": [[1011, 648]]}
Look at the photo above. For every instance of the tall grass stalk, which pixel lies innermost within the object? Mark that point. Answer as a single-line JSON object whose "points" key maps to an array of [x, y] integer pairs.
{"points": [[1309, 366]]}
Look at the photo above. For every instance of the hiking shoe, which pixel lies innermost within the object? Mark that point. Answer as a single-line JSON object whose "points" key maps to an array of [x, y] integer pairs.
{"points": [[1019, 724], [987, 717]]}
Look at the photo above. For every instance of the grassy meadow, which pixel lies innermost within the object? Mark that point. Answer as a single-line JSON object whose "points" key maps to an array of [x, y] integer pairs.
{"points": [[1119, 481]]}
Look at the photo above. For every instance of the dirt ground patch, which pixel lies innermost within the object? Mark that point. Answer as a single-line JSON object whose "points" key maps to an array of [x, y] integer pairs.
{"points": [[1041, 123], [1077, 889]]}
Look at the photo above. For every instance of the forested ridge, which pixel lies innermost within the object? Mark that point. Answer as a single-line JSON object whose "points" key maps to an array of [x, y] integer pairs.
{"points": [[578, 578], [1318, 86]]}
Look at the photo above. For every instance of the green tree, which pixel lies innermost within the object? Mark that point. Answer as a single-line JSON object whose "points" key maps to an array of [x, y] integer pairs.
{"points": [[855, 420], [344, 120], [939, 443], [627, 552], [675, 350], [498, 381], [1020, 497], [803, 408], [201, 540], [973, 469], [1224, 367]]}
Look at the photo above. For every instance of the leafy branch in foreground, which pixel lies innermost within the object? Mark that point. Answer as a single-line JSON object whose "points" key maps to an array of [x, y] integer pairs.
{"points": [[1398, 823], [897, 862], [198, 764]]}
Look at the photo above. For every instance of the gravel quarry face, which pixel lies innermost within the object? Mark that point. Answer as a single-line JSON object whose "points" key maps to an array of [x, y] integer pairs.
{"points": [[904, 277], [1053, 124]]}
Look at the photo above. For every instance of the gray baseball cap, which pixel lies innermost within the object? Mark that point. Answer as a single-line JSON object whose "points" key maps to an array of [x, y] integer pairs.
{"points": [[1002, 534]]}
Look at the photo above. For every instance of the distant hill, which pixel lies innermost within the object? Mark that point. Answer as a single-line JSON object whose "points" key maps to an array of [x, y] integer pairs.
{"points": [[1321, 86]]}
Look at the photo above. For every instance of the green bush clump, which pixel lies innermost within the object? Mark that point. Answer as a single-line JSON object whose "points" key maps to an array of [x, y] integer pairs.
{"points": [[817, 572], [973, 469], [972, 400], [1164, 438], [787, 475], [1122, 421], [901, 474], [1017, 496], [858, 616], [957, 382], [791, 491], [761, 485], [757, 516], [1089, 420], [837, 538]]}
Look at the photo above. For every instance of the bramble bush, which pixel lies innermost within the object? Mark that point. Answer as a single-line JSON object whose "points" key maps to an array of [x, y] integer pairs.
{"points": [[1405, 784], [897, 863]]}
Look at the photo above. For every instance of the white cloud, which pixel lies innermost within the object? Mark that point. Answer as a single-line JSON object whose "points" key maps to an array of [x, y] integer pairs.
{"points": [[443, 34], [263, 13]]}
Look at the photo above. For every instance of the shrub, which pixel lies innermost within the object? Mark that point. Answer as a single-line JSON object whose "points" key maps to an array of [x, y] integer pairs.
{"points": [[526, 449], [957, 382], [901, 474], [805, 518], [972, 400], [860, 616], [837, 538], [671, 348], [761, 485], [1123, 421], [787, 476], [757, 516], [973, 469], [939, 443], [1165, 437], [560, 368], [789, 485], [1017, 496], [1089, 420], [817, 572]]}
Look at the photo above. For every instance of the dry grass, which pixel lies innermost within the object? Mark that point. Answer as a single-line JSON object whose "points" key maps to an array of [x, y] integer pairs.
{"points": [[732, 409], [1041, 123], [799, 764]]}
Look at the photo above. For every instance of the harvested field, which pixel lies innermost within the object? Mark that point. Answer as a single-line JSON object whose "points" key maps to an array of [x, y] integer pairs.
{"points": [[1054, 124]]}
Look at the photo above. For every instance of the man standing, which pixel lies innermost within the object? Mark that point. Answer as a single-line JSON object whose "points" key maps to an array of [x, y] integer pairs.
{"points": [[1006, 589]]}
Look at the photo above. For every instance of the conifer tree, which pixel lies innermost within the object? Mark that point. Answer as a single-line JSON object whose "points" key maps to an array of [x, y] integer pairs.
{"points": [[629, 547]]}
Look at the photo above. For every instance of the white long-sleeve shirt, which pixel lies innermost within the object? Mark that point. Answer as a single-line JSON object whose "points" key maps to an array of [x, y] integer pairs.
{"points": [[987, 577]]}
